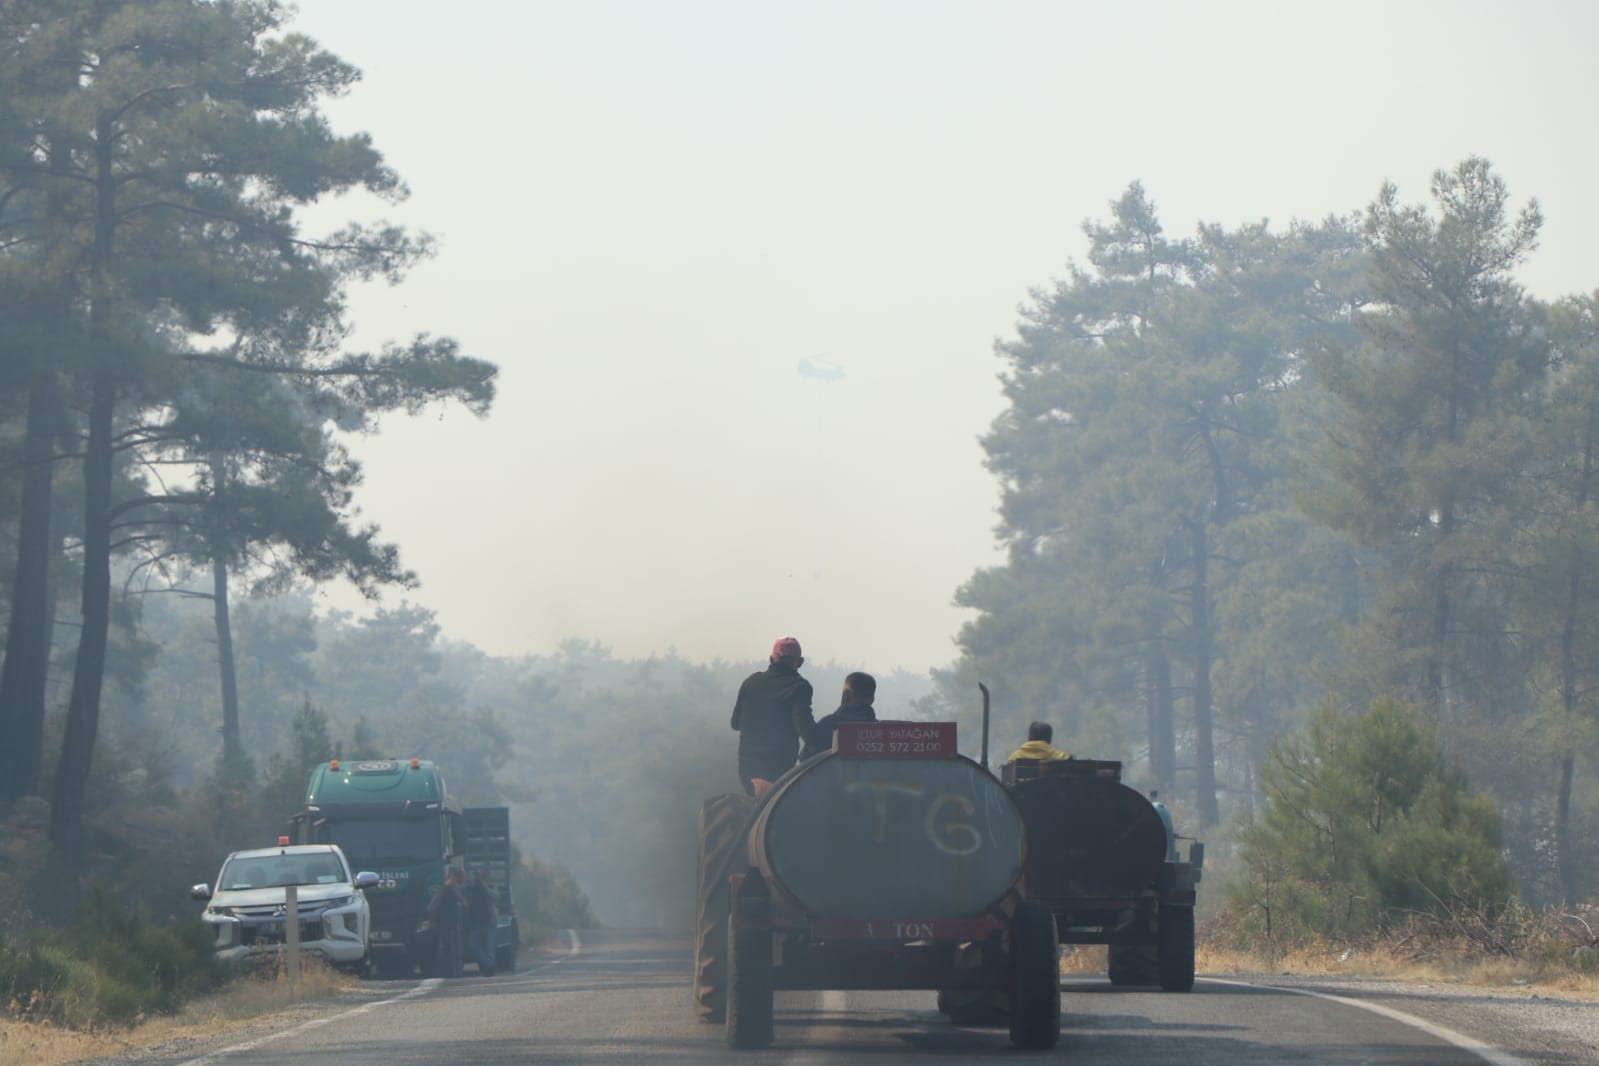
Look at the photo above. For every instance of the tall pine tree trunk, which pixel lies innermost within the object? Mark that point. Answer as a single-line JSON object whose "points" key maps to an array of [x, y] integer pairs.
{"points": [[232, 747], [1162, 720], [1204, 743], [1569, 682], [88, 674], [28, 632]]}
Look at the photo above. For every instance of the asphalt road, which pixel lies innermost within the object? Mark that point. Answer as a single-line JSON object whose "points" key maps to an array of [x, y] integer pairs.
{"points": [[624, 998]]}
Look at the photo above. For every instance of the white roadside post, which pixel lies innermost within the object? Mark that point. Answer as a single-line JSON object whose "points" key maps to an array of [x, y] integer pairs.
{"points": [[291, 931]]}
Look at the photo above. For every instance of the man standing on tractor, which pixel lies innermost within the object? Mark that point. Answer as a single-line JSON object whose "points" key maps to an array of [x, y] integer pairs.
{"points": [[772, 715], [1038, 745], [854, 706]]}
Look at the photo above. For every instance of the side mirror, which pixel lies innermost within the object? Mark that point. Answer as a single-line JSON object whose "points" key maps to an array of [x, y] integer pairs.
{"points": [[366, 879], [1196, 857], [200, 892]]}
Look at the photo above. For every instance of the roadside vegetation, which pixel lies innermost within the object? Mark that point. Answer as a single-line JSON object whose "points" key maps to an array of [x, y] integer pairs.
{"points": [[1374, 857], [253, 997], [108, 965]]}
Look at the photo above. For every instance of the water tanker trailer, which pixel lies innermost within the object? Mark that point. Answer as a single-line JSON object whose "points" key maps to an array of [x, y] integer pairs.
{"points": [[890, 862], [1105, 864]]}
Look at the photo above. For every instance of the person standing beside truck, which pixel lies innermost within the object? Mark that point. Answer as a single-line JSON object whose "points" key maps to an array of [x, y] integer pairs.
{"points": [[482, 919], [446, 914], [772, 716], [855, 705]]}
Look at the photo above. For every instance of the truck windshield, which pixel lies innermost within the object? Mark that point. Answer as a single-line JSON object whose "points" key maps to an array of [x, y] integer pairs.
{"points": [[366, 841]]}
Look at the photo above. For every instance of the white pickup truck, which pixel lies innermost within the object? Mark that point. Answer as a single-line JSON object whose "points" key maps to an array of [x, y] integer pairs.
{"points": [[248, 908]]}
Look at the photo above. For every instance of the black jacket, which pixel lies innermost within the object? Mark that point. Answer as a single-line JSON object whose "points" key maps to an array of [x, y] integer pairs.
{"points": [[820, 738], [482, 908], [773, 713]]}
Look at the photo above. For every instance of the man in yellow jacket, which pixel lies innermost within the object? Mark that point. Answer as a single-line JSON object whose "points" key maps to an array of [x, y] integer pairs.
{"points": [[1038, 745]]}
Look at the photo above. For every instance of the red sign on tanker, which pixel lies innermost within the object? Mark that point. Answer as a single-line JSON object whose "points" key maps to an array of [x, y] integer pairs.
{"points": [[895, 740]]}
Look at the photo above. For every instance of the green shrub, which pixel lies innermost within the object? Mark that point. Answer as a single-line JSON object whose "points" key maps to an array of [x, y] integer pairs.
{"points": [[1366, 822], [109, 965]]}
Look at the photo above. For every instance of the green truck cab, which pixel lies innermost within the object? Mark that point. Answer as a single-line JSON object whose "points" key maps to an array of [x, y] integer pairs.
{"points": [[396, 818]]}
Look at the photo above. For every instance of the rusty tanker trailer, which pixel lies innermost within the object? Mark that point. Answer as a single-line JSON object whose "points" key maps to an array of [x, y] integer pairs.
{"points": [[890, 862], [1105, 863]]}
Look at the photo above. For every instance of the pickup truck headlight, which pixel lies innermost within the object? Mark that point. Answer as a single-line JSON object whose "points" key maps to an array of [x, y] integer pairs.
{"points": [[219, 912], [342, 901]]}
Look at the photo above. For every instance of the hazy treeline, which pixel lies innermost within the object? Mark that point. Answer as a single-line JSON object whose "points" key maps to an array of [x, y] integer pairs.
{"points": [[604, 761], [1248, 471], [175, 387]]}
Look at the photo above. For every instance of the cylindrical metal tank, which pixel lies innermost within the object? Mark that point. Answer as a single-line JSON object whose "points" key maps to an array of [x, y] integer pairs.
{"points": [[1088, 837], [923, 839]]}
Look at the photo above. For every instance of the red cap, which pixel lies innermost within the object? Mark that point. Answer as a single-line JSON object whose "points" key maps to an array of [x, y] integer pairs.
{"points": [[785, 648]]}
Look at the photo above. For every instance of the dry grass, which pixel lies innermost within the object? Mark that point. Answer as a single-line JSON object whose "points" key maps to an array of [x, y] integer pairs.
{"points": [[251, 997], [1441, 965]]}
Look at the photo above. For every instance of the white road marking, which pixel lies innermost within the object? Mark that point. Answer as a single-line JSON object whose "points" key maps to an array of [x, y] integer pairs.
{"points": [[421, 989], [249, 1045], [1483, 1051]]}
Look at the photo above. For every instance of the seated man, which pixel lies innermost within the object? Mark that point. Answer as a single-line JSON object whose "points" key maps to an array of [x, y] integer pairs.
{"points": [[1038, 745], [854, 706]]}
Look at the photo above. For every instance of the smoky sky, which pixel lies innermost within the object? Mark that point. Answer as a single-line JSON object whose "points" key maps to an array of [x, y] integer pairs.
{"points": [[675, 226]]}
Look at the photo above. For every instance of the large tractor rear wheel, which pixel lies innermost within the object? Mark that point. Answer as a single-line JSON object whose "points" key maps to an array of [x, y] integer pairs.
{"points": [[722, 821], [1035, 977], [749, 993], [1176, 939]]}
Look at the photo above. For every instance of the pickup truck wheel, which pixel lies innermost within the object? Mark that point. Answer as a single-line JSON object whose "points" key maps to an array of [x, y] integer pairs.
{"points": [[1035, 977]]}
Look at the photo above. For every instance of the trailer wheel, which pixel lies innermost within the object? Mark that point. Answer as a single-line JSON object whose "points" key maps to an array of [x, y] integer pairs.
{"points": [[1035, 977], [721, 820], [749, 996], [1176, 937], [1131, 964]]}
